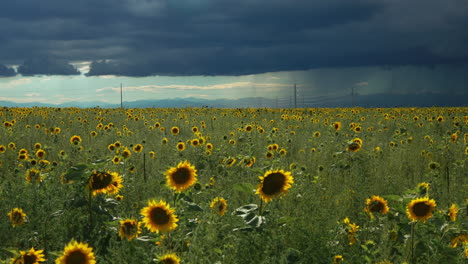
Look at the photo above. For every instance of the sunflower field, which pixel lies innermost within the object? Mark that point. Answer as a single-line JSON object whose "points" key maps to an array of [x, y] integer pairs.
{"points": [[202, 185]]}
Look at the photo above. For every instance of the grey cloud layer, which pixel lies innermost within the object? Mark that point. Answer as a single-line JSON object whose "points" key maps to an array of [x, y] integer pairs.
{"points": [[224, 37]]}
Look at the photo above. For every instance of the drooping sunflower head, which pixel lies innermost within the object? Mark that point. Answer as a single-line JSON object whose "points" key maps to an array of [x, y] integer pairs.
{"points": [[274, 183], [353, 147], [126, 153], [159, 217], [169, 259], [219, 205], [376, 204], [129, 229], [181, 177], [104, 182], [77, 253], [420, 209], [453, 212], [75, 140], [17, 217], [33, 175], [423, 188], [29, 257]]}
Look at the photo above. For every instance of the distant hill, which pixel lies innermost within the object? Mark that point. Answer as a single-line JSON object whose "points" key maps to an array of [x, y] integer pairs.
{"points": [[373, 100]]}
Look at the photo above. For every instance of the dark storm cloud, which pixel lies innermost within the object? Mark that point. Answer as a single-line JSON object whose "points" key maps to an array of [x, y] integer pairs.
{"points": [[46, 66], [224, 37], [6, 71]]}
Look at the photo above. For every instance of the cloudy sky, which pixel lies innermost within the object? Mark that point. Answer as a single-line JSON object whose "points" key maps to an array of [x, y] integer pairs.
{"points": [[57, 51]]}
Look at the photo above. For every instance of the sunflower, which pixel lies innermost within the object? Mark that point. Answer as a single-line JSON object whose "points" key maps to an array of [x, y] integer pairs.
{"points": [[376, 204], [129, 229], [111, 147], [453, 212], [126, 153], [175, 130], [159, 217], [337, 126], [75, 140], [420, 209], [283, 152], [17, 216], [230, 162], [138, 148], [152, 154], [12, 145], [104, 182], [93, 133], [460, 239], [194, 129], [248, 128], [116, 160], [40, 153], [195, 142], [2, 148], [274, 183], [219, 205], [37, 146], [423, 188], [338, 259], [180, 146], [117, 144], [33, 175], [209, 146], [181, 177], [232, 142], [77, 253], [169, 259], [353, 147], [29, 257]]}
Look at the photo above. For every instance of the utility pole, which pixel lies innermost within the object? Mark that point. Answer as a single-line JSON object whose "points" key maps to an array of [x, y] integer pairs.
{"points": [[121, 96]]}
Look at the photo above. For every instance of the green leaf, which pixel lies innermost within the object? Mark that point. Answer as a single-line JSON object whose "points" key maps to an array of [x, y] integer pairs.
{"points": [[245, 209], [243, 229], [246, 188], [193, 206], [393, 197]]}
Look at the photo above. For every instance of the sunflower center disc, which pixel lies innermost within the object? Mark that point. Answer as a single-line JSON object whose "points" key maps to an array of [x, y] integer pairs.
{"points": [[421, 209], [376, 207], [100, 181], [159, 216], [181, 176], [273, 183], [76, 257], [29, 259]]}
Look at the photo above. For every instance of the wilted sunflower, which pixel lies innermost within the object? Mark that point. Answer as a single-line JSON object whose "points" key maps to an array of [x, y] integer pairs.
{"points": [[126, 153], [104, 182], [423, 188], [219, 205], [77, 253], [29, 257], [453, 212], [75, 140], [420, 209], [376, 204], [274, 183], [159, 217], [337, 126], [33, 175], [181, 177], [169, 259], [17, 216], [129, 229]]}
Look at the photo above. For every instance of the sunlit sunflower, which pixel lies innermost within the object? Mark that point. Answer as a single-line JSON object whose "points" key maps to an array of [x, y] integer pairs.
{"points": [[453, 212], [181, 177], [232, 142], [337, 126], [37, 146], [274, 183], [169, 259], [2, 148], [159, 217], [33, 175], [129, 229], [180, 146], [420, 209], [219, 205], [17, 216], [376, 204], [75, 140], [248, 128], [175, 130], [195, 142], [138, 148], [77, 253], [104, 182], [209, 146], [116, 160], [111, 147], [29, 257]]}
